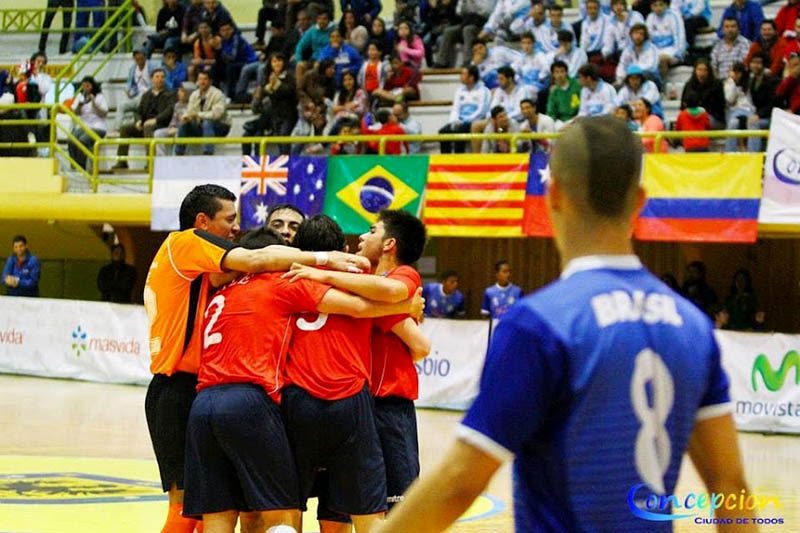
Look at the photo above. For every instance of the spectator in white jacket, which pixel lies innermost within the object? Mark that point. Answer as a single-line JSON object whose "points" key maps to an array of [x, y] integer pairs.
{"points": [[621, 20], [636, 86], [667, 34], [738, 102], [536, 23], [597, 97], [696, 14], [547, 38], [506, 21], [640, 53], [534, 122], [594, 27], [470, 103], [532, 69], [605, 7], [507, 95], [569, 53]]}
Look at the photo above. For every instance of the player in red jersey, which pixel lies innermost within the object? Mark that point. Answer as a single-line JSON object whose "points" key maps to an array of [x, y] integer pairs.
{"points": [[392, 244], [235, 416]]}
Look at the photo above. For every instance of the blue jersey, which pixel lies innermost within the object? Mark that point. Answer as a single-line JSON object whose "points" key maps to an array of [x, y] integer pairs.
{"points": [[497, 300], [441, 305], [594, 384]]}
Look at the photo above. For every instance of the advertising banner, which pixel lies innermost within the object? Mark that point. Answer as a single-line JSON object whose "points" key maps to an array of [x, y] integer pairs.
{"points": [[780, 203]]}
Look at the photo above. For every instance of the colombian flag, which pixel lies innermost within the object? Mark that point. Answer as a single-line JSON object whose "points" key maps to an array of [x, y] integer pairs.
{"points": [[701, 197], [536, 222], [475, 195]]}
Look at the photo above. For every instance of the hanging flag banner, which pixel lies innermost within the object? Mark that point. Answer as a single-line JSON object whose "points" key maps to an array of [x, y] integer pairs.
{"points": [[175, 176], [359, 187], [706, 197], [780, 203], [299, 180], [481, 195], [535, 221]]}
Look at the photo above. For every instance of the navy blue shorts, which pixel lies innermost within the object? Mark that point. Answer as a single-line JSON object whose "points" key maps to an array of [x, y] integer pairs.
{"points": [[166, 407], [339, 436], [237, 453], [396, 419]]}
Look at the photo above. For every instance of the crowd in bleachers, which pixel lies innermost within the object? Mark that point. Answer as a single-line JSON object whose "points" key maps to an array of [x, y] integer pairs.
{"points": [[526, 69]]}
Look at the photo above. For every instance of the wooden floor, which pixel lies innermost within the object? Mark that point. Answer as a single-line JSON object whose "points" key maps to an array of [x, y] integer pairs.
{"points": [[76, 457]]}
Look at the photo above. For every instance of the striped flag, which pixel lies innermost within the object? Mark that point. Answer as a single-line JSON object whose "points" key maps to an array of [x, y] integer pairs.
{"points": [[475, 195]]}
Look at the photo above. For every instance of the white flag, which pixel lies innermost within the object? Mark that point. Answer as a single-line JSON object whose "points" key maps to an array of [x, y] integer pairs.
{"points": [[780, 203], [174, 177]]}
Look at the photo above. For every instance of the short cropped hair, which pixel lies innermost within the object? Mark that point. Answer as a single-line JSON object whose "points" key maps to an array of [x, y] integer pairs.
{"points": [[260, 237], [497, 110], [498, 265], [280, 207], [19, 238], [320, 233], [202, 199], [448, 274], [407, 230]]}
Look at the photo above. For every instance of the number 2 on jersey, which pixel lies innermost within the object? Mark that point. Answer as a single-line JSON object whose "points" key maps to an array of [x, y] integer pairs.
{"points": [[218, 304]]}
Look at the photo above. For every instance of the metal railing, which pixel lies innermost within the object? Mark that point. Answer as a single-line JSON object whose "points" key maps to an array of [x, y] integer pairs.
{"points": [[31, 20]]}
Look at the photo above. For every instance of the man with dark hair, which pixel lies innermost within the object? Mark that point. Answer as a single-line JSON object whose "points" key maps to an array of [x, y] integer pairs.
{"points": [[762, 92], [770, 43], [392, 244], [22, 270], [175, 296], [470, 103], [498, 298], [732, 47], [286, 219], [597, 384], [169, 23], [205, 115], [564, 100], [748, 14], [696, 289], [499, 122], [597, 96], [115, 280], [443, 299]]}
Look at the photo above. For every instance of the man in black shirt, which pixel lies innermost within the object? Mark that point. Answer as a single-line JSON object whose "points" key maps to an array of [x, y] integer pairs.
{"points": [[116, 279]]}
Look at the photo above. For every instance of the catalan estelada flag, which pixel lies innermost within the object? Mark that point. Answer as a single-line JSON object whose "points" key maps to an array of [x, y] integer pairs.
{"points": [[475, 195], [701, 197], [535, 221]]}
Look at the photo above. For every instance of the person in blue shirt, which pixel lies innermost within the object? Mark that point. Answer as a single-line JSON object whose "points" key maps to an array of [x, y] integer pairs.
{"points": [[234, 53], [499, 298], [444, 300], [342, 54], [749, 14], [597, 384], [174, 68], [22, 270]]}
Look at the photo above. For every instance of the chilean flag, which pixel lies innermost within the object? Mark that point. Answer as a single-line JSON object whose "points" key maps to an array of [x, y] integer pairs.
{"points": [[535, 221]]}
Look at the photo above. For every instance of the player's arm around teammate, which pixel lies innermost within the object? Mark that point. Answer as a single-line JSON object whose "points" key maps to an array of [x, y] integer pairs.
{"points": [[376, 288]]}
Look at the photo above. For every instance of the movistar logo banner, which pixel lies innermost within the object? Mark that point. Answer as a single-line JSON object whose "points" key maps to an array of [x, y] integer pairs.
{"points": [[773, 380]]}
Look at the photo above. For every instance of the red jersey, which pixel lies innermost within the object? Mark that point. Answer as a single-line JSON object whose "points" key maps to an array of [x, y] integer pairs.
{"points": [[393, 370], [372, 76], [329, 356], [247, 329]]}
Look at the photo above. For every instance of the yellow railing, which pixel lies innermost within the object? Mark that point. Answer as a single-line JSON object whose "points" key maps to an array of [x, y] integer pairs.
{"points": [[30, 20]]}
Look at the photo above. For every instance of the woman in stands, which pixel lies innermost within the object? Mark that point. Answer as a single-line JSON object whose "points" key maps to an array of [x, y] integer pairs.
{"points": [[709, 91], [739, 104], [350, 103], [319, 83], [379, 35], [354, 34], [408, 46], [90, 105], [204, 54], [276, 104], [648, 122]]}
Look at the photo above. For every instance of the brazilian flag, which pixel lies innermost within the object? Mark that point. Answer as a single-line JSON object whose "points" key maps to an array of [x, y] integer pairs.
{"points": [[360, 187]]}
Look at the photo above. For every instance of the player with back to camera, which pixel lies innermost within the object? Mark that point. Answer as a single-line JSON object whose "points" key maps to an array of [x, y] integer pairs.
{"points": [[596, 384]]}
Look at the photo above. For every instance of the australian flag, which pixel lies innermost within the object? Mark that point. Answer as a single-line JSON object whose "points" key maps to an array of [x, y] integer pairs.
{"points": [[296, 180]]}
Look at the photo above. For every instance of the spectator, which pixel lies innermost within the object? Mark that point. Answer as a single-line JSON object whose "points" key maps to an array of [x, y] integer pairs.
{"points": [[536, 23], [770, 43], [505, 21], [605, 8], [174, 69], [271, 11], [443, 299], [313, 41], [347, 127], [489, 60], [205, 115], [168, 28], [311, 7], [216, 15], [345, 57], [352, 32], [115, 280], [648, 122], [597, 96], [789, 87], [694, 118], [295, 33], [507, 95], [618, 37], [410, 125], [470, 103], [731, 48], [786, 18], [640, 53], [667, 34], [172, 128], [374, 71], [155, 111], [564, 100], [385, 123], [569, 53], [191, 21], [472, 14], [498, 123], [378, 34], [205, 50], [278, 43], [531, 67], [742, 304], [350, 102], [402, 84], [275, 103], [762, 92], [365, 11], [635, 87], [747, 13], [535, 122], [319, 83], [792, 45], [696, 14], [136, 85], [547, 37], [498, 298], [312, 122], [234, 53], [696, 289], [739, 104], [625, 113], [91, 107], [38, 75], [22, 270], [709, 91], [595, 31], [66, 23], [408, 46], [436, 16]]}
